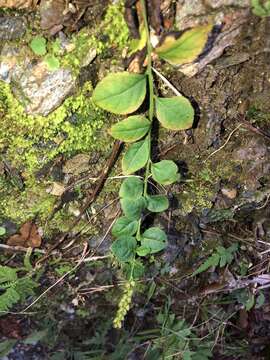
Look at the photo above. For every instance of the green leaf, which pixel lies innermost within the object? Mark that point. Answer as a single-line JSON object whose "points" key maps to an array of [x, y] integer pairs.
{"points": [[124, 247], [136, 157], [213, 260], [143, 251], [131, 188], [2, 231], [52, 62], [134, 268], [120, 93], [157, 203], [38, 45], [133, 208], [175, 113], [165, 172], [138, 44], [186, 48], [260, 300], [131, 129], [155, 239], [124, 226]]}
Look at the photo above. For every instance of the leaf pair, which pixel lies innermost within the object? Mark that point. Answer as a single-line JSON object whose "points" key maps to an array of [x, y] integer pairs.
{"points": [[152, 241], [175, 113], [123, 93]]}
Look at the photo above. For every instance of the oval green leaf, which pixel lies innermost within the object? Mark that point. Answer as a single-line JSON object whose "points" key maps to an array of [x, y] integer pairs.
{"points": [[131, 188], [38, 45], [120, 93], [186, 48], [131, 129], [155, 239], [133, 208], [175, 113], [165, 172], [136, 157], [157, 203], [124, 247], [124, 226]]}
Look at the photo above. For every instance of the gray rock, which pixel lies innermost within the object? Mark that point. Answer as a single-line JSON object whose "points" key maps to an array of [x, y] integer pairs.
{"points": [[12, 28], [215, 4], [41, 91]]}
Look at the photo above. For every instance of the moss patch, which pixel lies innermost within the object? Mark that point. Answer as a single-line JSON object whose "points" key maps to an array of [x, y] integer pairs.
{"points": [[27, 143]]}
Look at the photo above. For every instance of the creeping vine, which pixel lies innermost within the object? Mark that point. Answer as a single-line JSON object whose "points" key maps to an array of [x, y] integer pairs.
{"points": [[123, 93]]}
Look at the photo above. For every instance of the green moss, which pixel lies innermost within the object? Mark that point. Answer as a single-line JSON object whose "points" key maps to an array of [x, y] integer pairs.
{"points": [[200, 189], [29, 142], [115, 26]]}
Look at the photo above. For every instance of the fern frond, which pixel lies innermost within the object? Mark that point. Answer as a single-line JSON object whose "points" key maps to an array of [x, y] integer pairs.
{"points": [[9, 298], [7, 274]]}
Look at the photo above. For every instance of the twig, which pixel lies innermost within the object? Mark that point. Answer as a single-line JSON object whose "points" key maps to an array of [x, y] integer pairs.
{"points": [[226, 142], [166, 81], [90, 199], [21, 248]]}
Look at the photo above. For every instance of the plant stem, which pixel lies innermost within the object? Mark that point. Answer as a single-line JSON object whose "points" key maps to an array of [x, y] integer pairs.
{"points": [[151, 91]]}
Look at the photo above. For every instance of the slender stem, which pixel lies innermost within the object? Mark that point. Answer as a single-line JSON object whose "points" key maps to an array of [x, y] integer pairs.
{"points": [[151, 91]]}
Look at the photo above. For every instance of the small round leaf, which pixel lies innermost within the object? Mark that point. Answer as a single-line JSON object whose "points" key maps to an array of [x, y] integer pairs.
{"points": [[155, 239], [136, 157], [124, 247], [131, 188], [2, 231], [165, 172], [157, 203], [52, 62], [124, 226], [120, 93], [131, 129], [175, 113], [38, 45]]}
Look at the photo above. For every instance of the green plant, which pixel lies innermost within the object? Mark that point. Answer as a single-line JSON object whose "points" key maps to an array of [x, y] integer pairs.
{"points": [[174, 339], [261, 7], [14, 288], [122, 94], [39, 47], [221, 257]]}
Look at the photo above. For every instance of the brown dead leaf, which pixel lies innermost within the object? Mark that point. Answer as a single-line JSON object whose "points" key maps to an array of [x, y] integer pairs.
{"points": [[28, 236]]}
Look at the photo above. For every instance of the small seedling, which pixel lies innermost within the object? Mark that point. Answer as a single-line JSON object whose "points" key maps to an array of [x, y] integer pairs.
{"points": [[220, 257], [39, 47]]}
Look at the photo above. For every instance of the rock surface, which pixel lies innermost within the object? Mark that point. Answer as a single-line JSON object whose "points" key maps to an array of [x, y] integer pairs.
{"points": [[12, 28], [41, 90]]}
